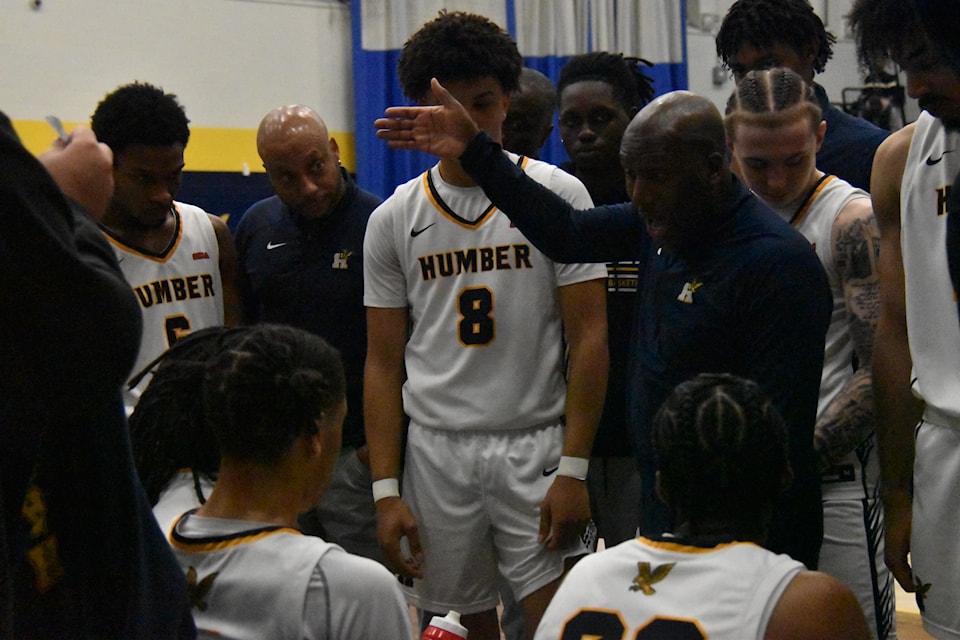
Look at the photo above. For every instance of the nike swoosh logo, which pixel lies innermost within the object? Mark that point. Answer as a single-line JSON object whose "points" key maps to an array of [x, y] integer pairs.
{"points": [[550, 471], [415, 232], [932, 161], [271, 245]]}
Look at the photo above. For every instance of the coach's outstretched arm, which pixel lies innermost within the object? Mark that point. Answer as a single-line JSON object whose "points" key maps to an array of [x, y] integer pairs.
{"points": [[563, 233]]}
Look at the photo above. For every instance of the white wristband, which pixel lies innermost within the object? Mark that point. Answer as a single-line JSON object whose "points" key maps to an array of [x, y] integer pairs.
{"points": [[573, 467], [386, 488]]}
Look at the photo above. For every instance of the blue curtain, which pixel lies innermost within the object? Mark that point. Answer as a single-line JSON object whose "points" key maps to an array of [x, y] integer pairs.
{"points": [[547, 32]]}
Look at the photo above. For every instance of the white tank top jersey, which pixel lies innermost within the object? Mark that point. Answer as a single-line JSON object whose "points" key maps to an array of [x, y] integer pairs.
{"points": [[932, 324], [486, 348], [179, 289], [652, 589], [251, 581], [815, 222]]}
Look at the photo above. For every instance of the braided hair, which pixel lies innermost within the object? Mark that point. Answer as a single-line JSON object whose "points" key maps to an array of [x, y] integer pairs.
{"points": [[458, 46], [631, 86], [766, 23], [768, 97], [268, 389], [167, 429], [721, 449]]}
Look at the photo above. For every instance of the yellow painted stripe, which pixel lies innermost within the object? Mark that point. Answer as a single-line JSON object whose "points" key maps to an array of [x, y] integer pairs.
{"points": [[209, 149]]}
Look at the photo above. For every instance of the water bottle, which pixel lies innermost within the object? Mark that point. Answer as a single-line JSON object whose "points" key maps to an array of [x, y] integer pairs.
{"points": [[445, 628]]}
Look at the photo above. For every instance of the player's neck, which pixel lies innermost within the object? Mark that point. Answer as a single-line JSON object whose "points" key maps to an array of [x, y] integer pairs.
{"points": [[453, 174], [254, 493], [153, 236]]}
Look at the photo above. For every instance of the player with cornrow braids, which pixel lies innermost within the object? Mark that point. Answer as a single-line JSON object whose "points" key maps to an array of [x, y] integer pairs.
{"points": [[175, 452], [275, 401], [774, 128], [721, 449], [764, 34]]}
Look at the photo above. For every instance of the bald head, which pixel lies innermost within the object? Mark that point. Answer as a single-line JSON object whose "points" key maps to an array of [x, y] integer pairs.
{"points": [[301, 159], [287, 122], [680, 120], [674, 158], [529, 119]]}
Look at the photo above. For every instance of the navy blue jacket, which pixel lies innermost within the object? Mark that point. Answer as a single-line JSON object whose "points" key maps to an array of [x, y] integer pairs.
{"points": [[309, 274], [81, 555]]}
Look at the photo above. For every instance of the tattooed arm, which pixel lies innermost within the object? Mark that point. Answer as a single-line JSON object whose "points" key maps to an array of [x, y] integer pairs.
{"points": [[848, 420]]}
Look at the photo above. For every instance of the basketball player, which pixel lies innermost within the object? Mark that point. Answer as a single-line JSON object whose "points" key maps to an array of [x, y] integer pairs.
{"points": [[599, 93], [275, 400], [174, 449], [774, 129], [722, 456], [917, 347], [529, 120], [467, 323], [180, 261]]}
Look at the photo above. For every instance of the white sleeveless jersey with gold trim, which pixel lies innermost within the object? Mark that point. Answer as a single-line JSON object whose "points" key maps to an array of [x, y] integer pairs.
{"points": [[179, 290], [250, 581], [650, 589], [486, 344], [815, 222], [932, 325]]}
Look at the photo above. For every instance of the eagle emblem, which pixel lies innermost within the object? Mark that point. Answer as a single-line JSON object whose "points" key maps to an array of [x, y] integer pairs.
{"points": [[198, 590], [647, 577]]}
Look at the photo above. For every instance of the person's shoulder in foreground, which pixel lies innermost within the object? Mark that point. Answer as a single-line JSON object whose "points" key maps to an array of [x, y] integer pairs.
{"points": [[722, 461], [85, 559]]}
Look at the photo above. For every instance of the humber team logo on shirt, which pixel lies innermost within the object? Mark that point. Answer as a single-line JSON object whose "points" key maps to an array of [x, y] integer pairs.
{"points": [[340, 259], [688, 290]]}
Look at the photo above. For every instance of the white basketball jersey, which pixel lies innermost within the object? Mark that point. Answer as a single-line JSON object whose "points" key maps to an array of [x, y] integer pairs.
{"points": [[932, 324], [250, 585], [179, 290], [250, 581], [646, 589], [486, 347], [815, 222]]}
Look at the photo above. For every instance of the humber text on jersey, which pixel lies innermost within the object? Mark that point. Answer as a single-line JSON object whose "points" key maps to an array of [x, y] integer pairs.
{"points": [[175, 289], [474, 260]]}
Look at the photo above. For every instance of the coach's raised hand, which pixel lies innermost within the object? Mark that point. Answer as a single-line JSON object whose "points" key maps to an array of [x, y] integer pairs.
{"points": [[443, 129]]}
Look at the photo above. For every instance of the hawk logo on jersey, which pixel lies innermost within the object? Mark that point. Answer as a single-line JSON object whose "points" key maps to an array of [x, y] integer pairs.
{"points": [[198, 590], [688, 290], [340, 259], [646, 578]]}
